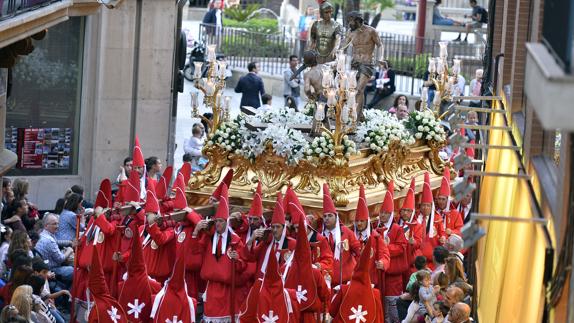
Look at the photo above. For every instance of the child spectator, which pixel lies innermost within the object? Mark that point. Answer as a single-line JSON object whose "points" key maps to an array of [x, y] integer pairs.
{"points": [[6, 237], [194, 145], [43, 305], [414, 306], [420, 264], [426, 293], [267, 102], [439, 312]]}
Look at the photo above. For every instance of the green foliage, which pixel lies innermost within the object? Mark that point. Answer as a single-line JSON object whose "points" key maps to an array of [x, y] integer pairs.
{"points": [[241, 14], [415, 66], [257, 25], [254, 45], [380, 4]]}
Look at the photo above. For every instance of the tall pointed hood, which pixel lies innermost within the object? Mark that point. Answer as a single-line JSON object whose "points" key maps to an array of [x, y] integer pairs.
{"points": [[409, 202], [248, 311], [172, 303], [136, 294], [299, 270], [293, 205], [163, 183], [132, 188], [227, 181], [445, 183], [138, 158], [185, 170], [362, 207], [257, 204], [223, 207], [388, 203], [359, 299], [151, 204], [427, 192], [105, 308], [104, 197], [274, 302], [328, 205], [278, 212], [180, 201]]}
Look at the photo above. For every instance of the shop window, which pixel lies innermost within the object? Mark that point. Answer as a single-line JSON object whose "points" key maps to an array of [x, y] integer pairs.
{"points": [[44, 101]]}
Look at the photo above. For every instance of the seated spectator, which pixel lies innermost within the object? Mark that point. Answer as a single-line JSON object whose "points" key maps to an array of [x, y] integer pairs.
{"points": [[20, 188], [266, 99], [80, 191], [67, 220], [414, 306], [399, 100], [402, 112], [19, 276], [438, 19], [10, 314], [6, 238], [384, 84], [459, 313], [479, 16], [194, 145], [22, 300], [34, 237], [6, 190], [476, 87], [291, 103], [48, 248], [16, 214], [21, 241], [440, 312], [43, 304]]}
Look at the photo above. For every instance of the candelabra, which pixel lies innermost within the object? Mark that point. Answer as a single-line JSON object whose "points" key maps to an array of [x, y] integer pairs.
{"points": [[340, 89], [444, 82], [211, 86]]}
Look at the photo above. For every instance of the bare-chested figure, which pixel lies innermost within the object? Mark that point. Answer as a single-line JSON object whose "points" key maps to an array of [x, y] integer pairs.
{"points": [[312, 78], [325, 34], [366, 50]]}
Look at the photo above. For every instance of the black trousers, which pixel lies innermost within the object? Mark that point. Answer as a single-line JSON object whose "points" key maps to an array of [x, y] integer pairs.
{"points": [[380, 94]]}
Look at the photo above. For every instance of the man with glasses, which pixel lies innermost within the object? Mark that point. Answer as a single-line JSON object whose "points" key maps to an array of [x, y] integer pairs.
{"points": [[47, 247]]}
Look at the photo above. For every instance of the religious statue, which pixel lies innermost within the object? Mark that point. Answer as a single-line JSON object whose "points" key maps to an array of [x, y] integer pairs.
{"points": [[325, 35], [367, 48], [313, 88]]}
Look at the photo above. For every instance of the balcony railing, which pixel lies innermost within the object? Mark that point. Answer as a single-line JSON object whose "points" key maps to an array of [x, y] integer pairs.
{"points": [[12, 8]]}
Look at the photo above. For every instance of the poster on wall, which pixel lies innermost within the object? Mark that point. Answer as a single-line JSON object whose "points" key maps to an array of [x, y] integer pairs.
{"points": [[40, 148]]}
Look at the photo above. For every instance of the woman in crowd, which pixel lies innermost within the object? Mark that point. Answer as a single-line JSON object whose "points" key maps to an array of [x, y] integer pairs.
{"points": [[21, 240], [67, 228], [399, 100]]}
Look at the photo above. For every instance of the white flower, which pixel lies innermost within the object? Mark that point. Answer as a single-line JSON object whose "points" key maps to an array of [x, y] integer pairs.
{"points": [[427, 129], [418, 135], [428, 137], [321, 155], [318, 150], [418, 117], [332, 153]]}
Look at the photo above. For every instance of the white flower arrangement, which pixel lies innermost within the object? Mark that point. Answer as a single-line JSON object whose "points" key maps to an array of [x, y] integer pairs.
{"points": [[424, 125], [286, 142], [380, 129], [284, 115], [227, 136], [324, 146]]}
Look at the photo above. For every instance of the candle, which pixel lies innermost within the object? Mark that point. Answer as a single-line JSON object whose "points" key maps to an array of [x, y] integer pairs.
{"points": [[345, 114], [351, 97], [440, 66], [222, 70], [340, 61], [443, 49], [432, 65], [320, 113], [352, 79], [326, 74], [209, 87], [197, 71], [218, 99], [354, 111], [456, 66], [331, 98], [194, 100], [425, 94], [342, 81], [211, 53]]}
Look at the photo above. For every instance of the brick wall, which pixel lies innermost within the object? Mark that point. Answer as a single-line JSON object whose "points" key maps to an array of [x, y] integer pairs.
{"points": [[521, 35]]}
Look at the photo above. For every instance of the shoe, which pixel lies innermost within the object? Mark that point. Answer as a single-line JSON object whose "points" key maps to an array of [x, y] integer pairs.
{"points": [[465, 40], [457, 39]]}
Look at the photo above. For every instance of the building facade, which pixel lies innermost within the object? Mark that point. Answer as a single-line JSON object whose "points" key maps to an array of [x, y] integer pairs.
{"points": [[72, 106], [522, 263]]}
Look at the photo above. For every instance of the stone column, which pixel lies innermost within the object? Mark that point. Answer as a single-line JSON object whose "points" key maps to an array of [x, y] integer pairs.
{"points": [[134, 51]]}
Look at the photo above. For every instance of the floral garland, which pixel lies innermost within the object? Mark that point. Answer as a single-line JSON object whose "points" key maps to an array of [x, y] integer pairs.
{"points": [[324, 146], [380, 129], [424, 125]]}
